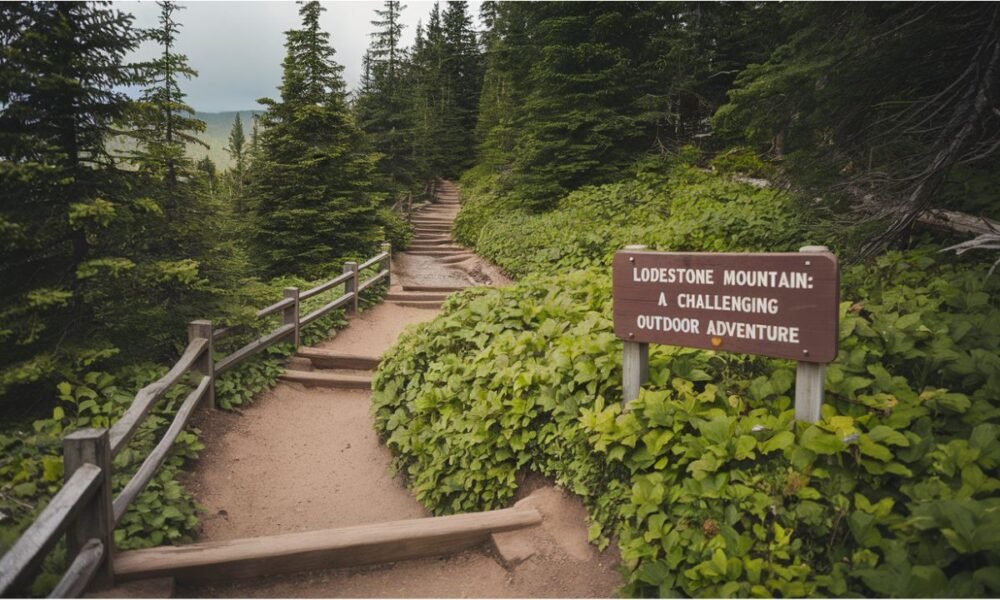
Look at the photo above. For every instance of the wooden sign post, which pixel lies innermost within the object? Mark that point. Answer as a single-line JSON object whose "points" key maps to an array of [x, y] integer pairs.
{"points": [[783, 305]]}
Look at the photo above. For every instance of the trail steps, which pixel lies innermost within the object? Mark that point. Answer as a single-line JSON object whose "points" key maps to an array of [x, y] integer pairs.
{"points": [[343, 543], [432, 222]]}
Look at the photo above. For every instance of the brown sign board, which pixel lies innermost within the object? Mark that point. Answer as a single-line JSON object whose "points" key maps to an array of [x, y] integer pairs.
{"points": [[783, 305]]}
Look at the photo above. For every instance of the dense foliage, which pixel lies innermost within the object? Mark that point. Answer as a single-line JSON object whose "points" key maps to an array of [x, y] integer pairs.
{"points": [[165, 512], [577, 128], [705, 481], [110, 246], [419, 105], [314, 182], [667, 206], [575, 91]]}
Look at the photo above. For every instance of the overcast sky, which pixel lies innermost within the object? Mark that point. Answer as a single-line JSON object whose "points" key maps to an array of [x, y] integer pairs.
{"points": [[237, 47]]}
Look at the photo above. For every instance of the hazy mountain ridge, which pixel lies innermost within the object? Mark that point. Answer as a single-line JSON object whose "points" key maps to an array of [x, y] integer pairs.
{"points": [[216, 135]]}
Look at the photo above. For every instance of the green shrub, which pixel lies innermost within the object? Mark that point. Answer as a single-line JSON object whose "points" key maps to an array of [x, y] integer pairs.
{"points": [[741, 161], [708, 485], [683, 209], [396, 229]]}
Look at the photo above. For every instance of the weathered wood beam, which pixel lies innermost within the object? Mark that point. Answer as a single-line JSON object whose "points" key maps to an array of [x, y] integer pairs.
{"points": [[159, 454], [19, 565], [329, 548], [125, 428], [959, 222]]}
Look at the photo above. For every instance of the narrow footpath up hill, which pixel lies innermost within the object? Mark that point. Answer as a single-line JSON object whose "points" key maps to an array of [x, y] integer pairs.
{"points": [[305, 457]]}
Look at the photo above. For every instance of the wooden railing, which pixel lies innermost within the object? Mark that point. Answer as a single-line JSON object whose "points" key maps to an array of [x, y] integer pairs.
{"points": [[84, 509]]}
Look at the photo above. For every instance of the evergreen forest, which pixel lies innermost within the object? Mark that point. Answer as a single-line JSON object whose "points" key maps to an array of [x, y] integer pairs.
{"points": [[574, 129]]}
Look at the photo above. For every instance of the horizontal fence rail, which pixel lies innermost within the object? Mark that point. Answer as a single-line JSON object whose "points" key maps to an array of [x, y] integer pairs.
{"points": [[83, 510], [160, 452], [31, 548], [125, 428], [81, 571], [319, 289], [319, 312]]}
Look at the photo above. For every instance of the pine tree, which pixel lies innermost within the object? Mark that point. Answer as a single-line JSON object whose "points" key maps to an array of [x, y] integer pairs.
{"points": [[434, 115], [383, 104], [253, 153], [62, 204], [577, 123], [503, 86], [463, 78], [848, 108], [238, 150], [165, 124], [313, 180], [188, 250]]}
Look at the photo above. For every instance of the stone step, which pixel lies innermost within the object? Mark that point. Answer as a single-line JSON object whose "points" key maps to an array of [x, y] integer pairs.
{"points": [[432, 304], [449, 217], [433, 288], [443, 253], [431, 222], [433, 247], [444, 214], [433, 239], [328, 379], [456, 258], [438, 240], [412, 296], [429, 241], [326, 359]]}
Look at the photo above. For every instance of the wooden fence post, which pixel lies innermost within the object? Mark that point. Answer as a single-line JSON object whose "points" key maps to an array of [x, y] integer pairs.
{"points": [[635, 362], [387, 248], [809, 377], [351, 286], [96, 517], [290, 315], [206, 363]]}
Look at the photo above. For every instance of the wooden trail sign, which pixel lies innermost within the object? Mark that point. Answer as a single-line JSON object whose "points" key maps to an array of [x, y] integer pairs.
{"points": [[782, 305]]}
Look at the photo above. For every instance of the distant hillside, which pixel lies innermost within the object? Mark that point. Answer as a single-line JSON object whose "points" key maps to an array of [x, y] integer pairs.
{"points": [[216, 135], [217, 128]]}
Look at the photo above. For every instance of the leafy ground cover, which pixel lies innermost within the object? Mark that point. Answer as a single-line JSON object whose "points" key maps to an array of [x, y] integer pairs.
{"points": [[705, 482]]}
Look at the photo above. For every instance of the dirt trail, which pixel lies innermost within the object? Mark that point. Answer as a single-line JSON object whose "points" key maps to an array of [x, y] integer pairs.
{"points": [[309, 458]]}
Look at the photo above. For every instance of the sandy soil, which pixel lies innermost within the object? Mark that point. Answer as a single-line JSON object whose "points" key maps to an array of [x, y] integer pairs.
{"points": [[564, 566], [372, 332], [307, 458], [409, 269]]}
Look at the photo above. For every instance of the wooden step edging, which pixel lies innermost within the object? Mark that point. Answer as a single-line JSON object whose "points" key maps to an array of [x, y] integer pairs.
{"points": [[325, 359], [329, 380], [329, 548], [440, 253], [393, 296], [418, 303], [455, 258], [444, 289]]}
